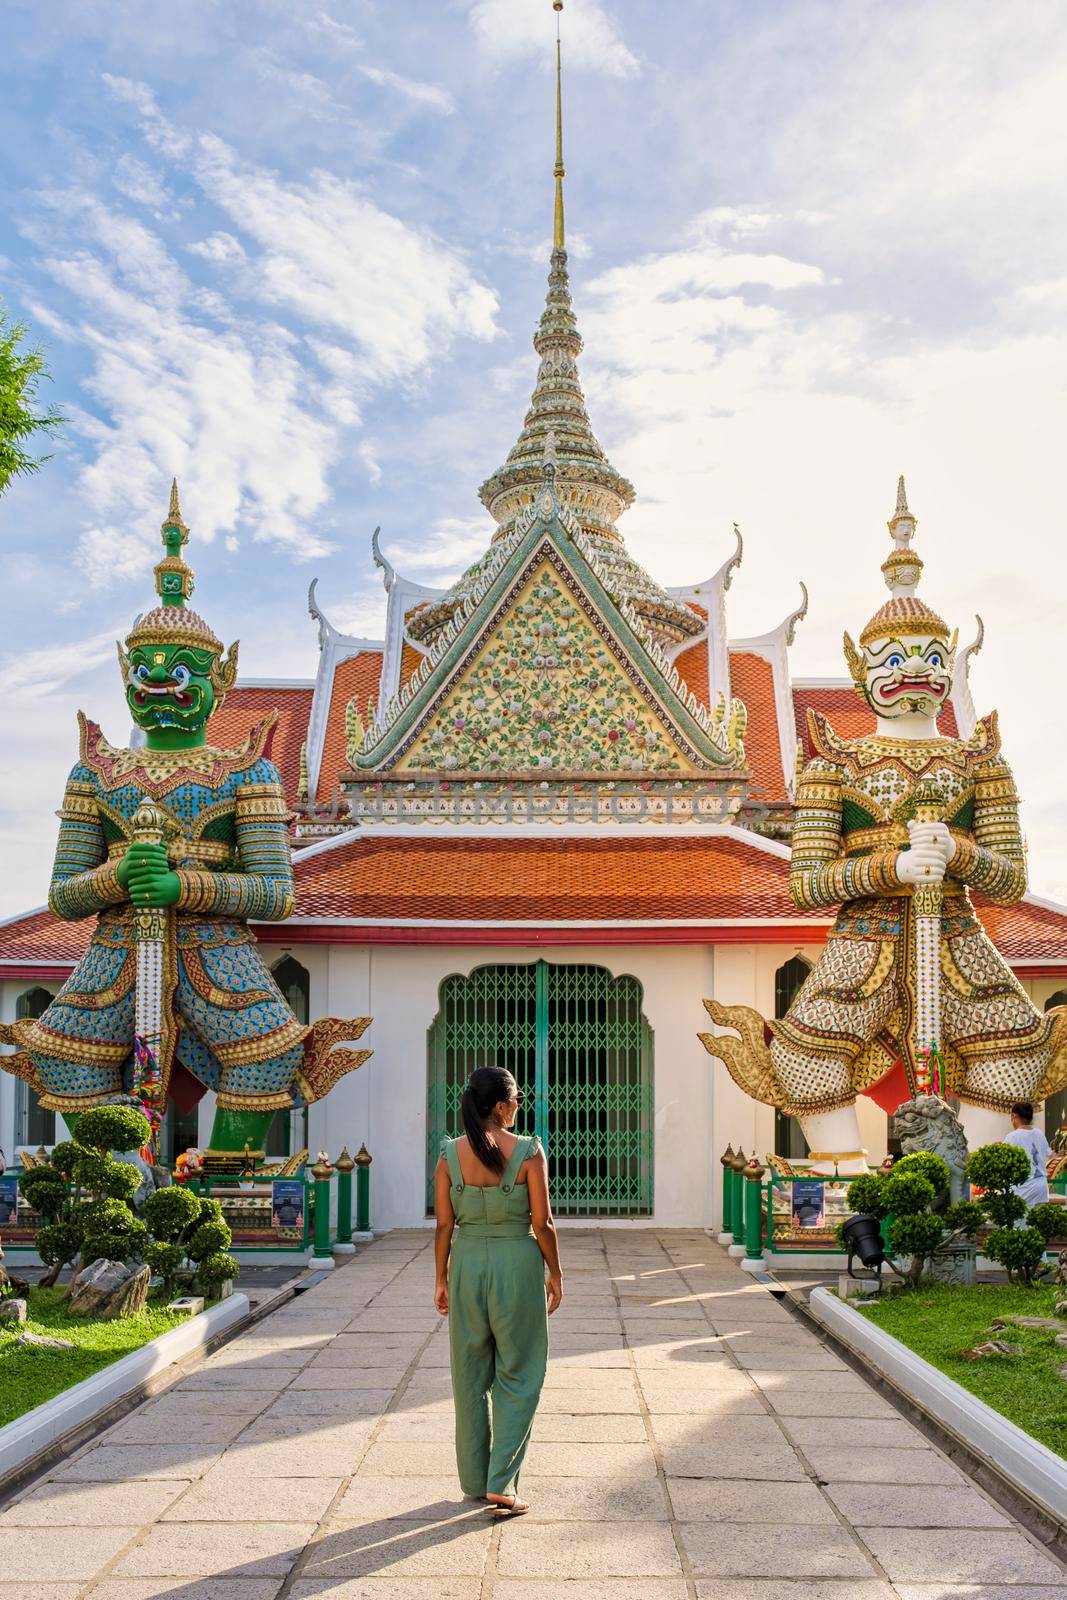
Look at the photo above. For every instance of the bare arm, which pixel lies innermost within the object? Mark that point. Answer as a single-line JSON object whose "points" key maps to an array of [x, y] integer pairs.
{"points": [[442, 1243], [544, 1227]]}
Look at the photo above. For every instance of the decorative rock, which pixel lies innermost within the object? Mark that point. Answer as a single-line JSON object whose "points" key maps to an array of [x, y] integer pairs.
{"points": [[991, 1347], [1028, 1322], [108, 1289], [13, 1311], [45, 1339]]}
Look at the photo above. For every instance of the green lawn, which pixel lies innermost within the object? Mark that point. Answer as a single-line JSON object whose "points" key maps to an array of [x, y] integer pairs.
{"points": [[31, 1374], [940, 1321]]}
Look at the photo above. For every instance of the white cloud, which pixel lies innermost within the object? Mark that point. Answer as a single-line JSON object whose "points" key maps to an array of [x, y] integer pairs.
{"points": [[511, 30], [36, 673], [141, 184], [218, 247], [333, 257], [451, 545], [429, 95]]}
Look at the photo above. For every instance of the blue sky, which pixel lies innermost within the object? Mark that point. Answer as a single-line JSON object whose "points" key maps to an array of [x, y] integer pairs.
{"points": [[295, 255]]}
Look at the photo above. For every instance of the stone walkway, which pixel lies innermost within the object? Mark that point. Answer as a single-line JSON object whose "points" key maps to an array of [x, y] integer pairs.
{"points": [[693, 1441]]}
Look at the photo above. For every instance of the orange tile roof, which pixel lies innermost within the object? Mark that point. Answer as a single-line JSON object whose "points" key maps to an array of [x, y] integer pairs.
{"points": [[692, 666], [752, 681], [244, 707], [392, 878], [850, 717], [482, 878], [42, 939], [410, 662], [359, 675]]}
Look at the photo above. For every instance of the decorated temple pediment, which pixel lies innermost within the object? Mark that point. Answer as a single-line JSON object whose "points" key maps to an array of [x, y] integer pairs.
{"points": [[542, 685]]}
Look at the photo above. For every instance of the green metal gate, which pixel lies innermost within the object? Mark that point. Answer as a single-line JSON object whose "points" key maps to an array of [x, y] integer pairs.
{"points": [[581, 1050]]}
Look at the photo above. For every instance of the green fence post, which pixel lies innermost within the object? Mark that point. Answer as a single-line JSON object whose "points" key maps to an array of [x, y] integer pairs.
{"points": [[343, 1166], [363, 1165], [752, 1178], [737, 1203], [725, 1235], [322, 1172]]}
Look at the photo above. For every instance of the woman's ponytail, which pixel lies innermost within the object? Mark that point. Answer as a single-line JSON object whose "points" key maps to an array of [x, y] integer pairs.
{"points": [[486, 1087]]}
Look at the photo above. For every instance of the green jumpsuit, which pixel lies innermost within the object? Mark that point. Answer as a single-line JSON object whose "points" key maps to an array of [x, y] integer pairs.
{"points": [[497, 1324]]}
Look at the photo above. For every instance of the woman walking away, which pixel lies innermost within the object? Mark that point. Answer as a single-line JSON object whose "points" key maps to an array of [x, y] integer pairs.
{"points": [[495, 1236]]}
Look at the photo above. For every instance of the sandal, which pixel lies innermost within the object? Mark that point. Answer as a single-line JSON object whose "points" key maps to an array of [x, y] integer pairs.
{"points": [[507, 1506]]}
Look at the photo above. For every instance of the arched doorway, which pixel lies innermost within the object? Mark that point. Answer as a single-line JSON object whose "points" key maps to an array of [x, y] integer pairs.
{"points": [[580, 1047], [34, 1125], [789, 1140]]}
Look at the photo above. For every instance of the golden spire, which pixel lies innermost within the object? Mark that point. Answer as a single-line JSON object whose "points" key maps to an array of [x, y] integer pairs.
{"points": [[559, 241]]}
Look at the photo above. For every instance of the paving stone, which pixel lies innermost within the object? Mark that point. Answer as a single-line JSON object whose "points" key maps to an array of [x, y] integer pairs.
{"points": [[53, 1553], [455, 1548], [594, 1380], [611, 1428], [204, 1379], [222, 1495], [329, 1402], [380, 1588], [765, 1463], [109, 1461], [978, 1557], [789, 1360], [887, 1505], [861, 1465], [613, 1461], [719, 1500], [196, 1550], [593, 1589], [843, 1433], [178, 1403], [589, 1550], [597, 1360], [733, 1398], [287, 1452], [798, 1589], [409, 1427], [29, 1590], [815, 1381], [346, 1379], [703, 1433], [575, 1402], [743, 1550], [87, 1505], [979, 1591], [145, 1425], [214, 1588], [814, 1403]]}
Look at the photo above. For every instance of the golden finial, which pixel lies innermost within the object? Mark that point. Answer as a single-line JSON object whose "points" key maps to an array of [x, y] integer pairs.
{"points": [[559, 241], [174, 513]]}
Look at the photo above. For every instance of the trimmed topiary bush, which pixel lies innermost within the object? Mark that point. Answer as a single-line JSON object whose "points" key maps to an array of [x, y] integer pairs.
{"points": [[1020, 1251], [933, 1168], [905, 1194], [45, 1190], [113, 1128], [214, 1271], [209, 1239], [169, 1212], [102, 1174], [167, 1260], [1047, 1219], [865, 1195]]}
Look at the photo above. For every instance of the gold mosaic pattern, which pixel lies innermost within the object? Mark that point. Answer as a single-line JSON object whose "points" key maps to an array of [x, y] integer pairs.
{"points": [[546, 694]]}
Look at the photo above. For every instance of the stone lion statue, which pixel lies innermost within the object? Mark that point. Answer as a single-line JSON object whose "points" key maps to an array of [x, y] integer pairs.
{"points": [[929, 1123]]}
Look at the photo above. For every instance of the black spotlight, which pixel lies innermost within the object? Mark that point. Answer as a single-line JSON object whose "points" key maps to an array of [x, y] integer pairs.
{"points": [[863, 1238]]}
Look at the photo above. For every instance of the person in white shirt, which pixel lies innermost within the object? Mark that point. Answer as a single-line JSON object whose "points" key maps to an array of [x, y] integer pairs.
{"points": [[1023, 1133]]}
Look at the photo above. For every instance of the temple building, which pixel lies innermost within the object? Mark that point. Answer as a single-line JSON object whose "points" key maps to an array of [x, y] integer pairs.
{"points": [[535, 824]]}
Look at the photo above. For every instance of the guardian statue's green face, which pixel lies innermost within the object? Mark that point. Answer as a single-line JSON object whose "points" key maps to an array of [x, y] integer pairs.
{"points": [[173, 667], [170, 687]]}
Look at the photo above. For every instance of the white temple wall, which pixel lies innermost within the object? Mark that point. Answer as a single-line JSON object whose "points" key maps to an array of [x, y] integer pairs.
{"points": [[698, 1108]]}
